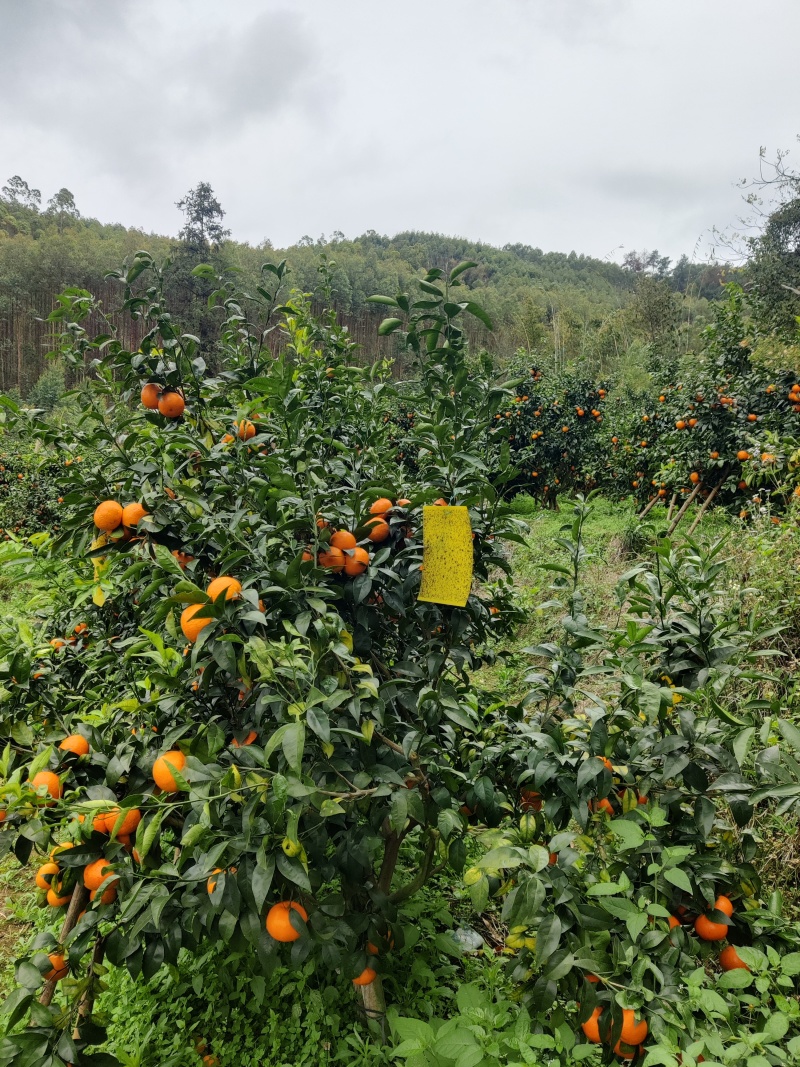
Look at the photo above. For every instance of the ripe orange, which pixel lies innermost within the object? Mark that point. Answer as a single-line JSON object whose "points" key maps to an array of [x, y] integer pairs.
{"points": [[191, 626], [247, 741], [381, 506], [591, 1027], [332, 559], [379, 530], [76, 743], [441, 502], [132, 513], [707, 930], [602, 805], [730, 960], [715, 455], [694, 477], [306, 557], [632, 1033], [343, 539], [742, 455], [245, 429], [230, 586], [725, 905], [367, 977], [150, 395], [625, 1051], [680, 424], [402, 502], [163, 768], [94, 874], [58, 968], [54, 898], [128, 825], [356, 562], [171, 404], [49, 781], [108, 516], [45, 875], [108, 896], [752, 418], [279, 924], [673, 922], [692, 423]]}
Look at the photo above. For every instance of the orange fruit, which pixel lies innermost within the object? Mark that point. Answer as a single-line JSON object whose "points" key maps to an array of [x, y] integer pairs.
{"points": [[730, 960], [279, 924], [381, 506], [58, 968], [163, 768], [591, 1028], [356, 562], [707, 930], [94, 874], [742, 455], [230, 586], [403, 503], [150, 395], [75, 743], [183, 558], [108, 896], [108, 516], [680, 425], [245, 429], [49, 781], [367, 977], [191, 626], [343, 539], [694, 477], [725, 905], [45, 875], [530, 800], [306, 556], [379, 530], [632, 1033], [673, 922], [715, 455], [625, 1051], [603, 805], [171, 404], [752, 418], [440, 503], [55, 900], [332, 559], [132, 513], [247, 741], [128, 825]]}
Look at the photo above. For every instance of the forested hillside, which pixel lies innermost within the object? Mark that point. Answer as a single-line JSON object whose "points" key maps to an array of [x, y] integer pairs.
{"points": [[564, 310]]}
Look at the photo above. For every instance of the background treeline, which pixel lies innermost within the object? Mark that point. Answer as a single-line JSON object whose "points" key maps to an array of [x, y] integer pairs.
{"points": [[565, 311]]}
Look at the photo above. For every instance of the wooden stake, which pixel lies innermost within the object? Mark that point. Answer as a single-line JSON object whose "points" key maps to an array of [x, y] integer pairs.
{"points": [[671, 506], [651, 504], [702, 510], [685, 507]]}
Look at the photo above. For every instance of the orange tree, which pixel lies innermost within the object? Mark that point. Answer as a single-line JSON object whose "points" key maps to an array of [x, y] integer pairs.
{"points": [[632, 861], [716, 431], [237, 724], [553, 426]]}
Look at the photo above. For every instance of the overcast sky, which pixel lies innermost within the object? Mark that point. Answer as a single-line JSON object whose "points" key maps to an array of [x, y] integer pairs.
{"points": [[565, 124]]}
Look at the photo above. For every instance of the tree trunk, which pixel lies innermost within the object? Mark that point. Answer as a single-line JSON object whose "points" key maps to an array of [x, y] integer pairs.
{"points": [[80, 897]]}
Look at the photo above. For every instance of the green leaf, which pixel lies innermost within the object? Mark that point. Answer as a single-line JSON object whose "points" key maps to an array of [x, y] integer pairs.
{"points": [[737, 979], [461, 267], [477, 311], [628, 832], [293, 743], [389, 326], [678, 878]]}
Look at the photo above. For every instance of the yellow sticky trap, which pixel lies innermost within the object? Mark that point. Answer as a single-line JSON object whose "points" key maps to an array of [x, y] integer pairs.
{"points": [[446, 555]]}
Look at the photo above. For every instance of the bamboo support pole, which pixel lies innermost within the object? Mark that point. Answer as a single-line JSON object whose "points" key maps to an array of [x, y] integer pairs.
{"points": [[684, 508]]}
